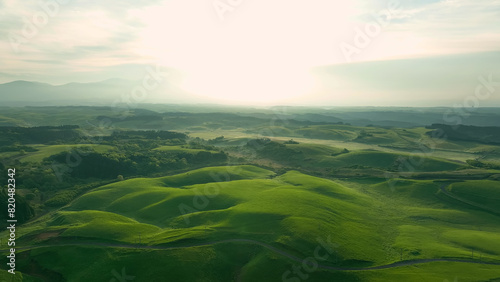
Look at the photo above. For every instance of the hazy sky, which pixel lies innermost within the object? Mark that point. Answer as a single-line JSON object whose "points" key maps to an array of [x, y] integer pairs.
{"points": [[262, 51]]}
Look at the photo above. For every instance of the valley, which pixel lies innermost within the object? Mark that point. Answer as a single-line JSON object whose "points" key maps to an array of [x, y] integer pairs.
{"points": [[287, 201]]}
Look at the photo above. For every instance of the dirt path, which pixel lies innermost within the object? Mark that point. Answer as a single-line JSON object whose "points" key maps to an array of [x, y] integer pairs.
{"points": [[267, 246], [465, 201]]}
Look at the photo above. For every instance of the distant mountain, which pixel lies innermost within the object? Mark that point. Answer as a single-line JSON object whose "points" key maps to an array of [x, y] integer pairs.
{"points": [[441, 80], [24, 83], [102, 93]]}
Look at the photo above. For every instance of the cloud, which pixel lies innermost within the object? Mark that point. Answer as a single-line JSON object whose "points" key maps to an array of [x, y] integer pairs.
{"points": [[262, 44], [427, 28], [80, 35], [453, 26], [430, 81]]}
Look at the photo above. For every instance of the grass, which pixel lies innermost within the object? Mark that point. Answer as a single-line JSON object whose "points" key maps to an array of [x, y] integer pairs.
{"points": [[431, 227], [180, 149], [313, 156], [45, 151], [17, 277], [108, 225], [394, 141], [8, 121], [322, 156], [367, 223], [315, 149], [225, 262], [337, 132], [6, 155], [483, 192], [438, 271], [387, 160], [482, 241]]}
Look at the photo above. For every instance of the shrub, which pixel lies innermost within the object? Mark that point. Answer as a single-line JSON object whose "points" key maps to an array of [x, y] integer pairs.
{"points": [[30, 196], [61, 198]]}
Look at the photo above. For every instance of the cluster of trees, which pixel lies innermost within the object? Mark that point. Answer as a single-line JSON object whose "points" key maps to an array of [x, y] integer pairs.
{"points": [[61, 198], [136, 162], [344, 151], [216, 140], [204, 157], [37, 135], [477, 163], [41, 177], [64, 197], [147, 134], [23, 209], [134, 155], [486, 134], [16, 147]]}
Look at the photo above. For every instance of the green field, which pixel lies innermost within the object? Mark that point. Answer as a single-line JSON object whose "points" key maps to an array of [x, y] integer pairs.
{"points": [[365, 225], [180, 149], [481, 192], [240, 196], [45, 151]]}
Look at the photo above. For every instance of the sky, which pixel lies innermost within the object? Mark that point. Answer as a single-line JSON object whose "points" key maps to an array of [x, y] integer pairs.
{"points": [[378, 52]]}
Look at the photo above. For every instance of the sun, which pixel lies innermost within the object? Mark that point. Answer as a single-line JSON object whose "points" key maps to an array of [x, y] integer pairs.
{"points": [[254, 84]]}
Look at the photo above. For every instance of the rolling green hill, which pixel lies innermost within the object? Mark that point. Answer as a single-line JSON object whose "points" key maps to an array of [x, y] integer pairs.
{"points": [[244, 222], [315, 156], [484, 193]]}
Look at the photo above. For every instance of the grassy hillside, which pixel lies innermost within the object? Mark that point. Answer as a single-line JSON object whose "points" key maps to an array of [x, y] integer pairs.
{"points": [[481, 192], [45, 151], [315, 156], [179, 149], [429, 224], [365, 223]]}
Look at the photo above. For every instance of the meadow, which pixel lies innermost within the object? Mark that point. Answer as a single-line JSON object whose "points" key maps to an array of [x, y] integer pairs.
{"points": [[235, 202]]}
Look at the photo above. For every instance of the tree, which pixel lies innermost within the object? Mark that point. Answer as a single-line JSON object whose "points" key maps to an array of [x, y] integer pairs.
{"points": [[30, 196]]}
